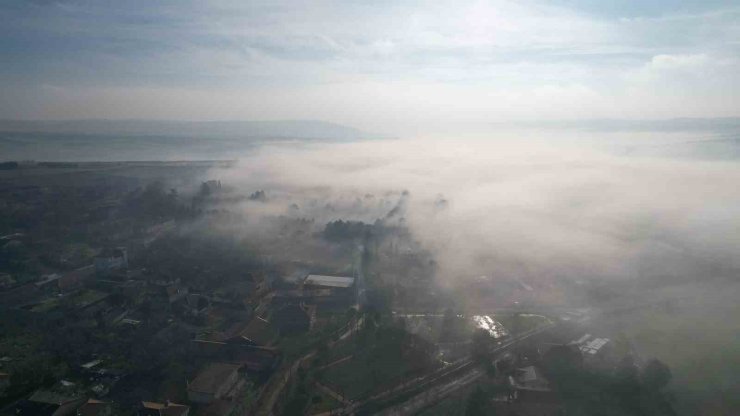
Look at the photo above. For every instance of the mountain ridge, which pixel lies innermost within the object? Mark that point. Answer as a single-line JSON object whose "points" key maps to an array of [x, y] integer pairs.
{"points": [[299, 129]]}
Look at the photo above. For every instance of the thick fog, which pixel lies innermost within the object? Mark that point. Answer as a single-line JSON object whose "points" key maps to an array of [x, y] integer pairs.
{"points": [[642, 224], [517, 206]]}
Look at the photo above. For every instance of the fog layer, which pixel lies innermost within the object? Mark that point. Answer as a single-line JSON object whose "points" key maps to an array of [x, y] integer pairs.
{"points": [[642, 228], [522, 207]]}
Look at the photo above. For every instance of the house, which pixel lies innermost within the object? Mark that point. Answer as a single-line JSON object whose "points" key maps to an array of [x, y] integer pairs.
{"points": [[176, 292], [19, 295], [316, 281], [529, 378], [490, 325], [4, 382], [111, 259], [168, 289], [103, 211], [218, 408], [528, 385], [48, 283], [47, 403], [90, 303], [163, 409], [6, 281], [12, 237], [159, 229], [210, 187], [257, 332], [55, 283], [95, 407], [197, 304], [530, 393], [213, 382], [260, 285], [253, 358], [114, 315], [593, 346], [33, 408], [156, 231], [88, 366], [246, 344], [75, 279], [595, 350], [328, 289], [133, 290]]}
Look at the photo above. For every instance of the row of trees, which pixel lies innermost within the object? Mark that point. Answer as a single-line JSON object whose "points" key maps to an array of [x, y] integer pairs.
{"points": [[342, 231], [628, 390]]}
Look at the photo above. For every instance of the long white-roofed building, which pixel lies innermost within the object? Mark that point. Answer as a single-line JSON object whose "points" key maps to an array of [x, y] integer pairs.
{"points": [[333, 289], [319, 280]]}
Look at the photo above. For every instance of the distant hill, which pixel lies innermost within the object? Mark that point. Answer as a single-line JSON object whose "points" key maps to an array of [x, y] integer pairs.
{"points": [[121, 140], [721, 124], [686, 138], [286, 129]]}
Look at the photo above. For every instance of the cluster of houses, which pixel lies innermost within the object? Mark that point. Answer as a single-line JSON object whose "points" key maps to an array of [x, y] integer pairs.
{"points": [[54, 403], [244, 349], [530, 392], [110, 260], [249, 346]]}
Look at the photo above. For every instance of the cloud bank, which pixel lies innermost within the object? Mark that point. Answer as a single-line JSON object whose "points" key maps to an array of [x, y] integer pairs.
{"points": [[519, 207]]}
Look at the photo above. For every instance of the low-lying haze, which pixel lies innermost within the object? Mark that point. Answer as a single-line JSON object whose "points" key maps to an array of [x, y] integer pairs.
{"points": [[525, 207], [635, 228]]}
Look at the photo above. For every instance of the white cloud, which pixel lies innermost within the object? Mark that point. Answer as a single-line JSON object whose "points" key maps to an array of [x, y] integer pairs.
{"points": [[380, 65], [678, 62]]}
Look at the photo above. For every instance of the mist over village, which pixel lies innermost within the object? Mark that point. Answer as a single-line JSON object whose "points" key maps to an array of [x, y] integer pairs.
{"points": [[486, 208]]}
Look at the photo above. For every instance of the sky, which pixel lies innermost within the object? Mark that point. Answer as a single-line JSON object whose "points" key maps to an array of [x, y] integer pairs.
{"points": [[383, 66]]}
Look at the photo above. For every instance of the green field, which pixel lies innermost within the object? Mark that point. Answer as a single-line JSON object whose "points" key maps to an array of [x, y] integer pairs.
{"points": [[699, 339], [384, 363], [362, 375], [518, 323], [321, 402], [339, 350], [452, 405], [46, 306]]}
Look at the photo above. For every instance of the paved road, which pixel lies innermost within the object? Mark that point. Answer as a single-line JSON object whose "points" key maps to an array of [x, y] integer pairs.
{"points": [[360, 286], [437, 385], [433, 394], [281, 379], [278, 381], [338, 397]]}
